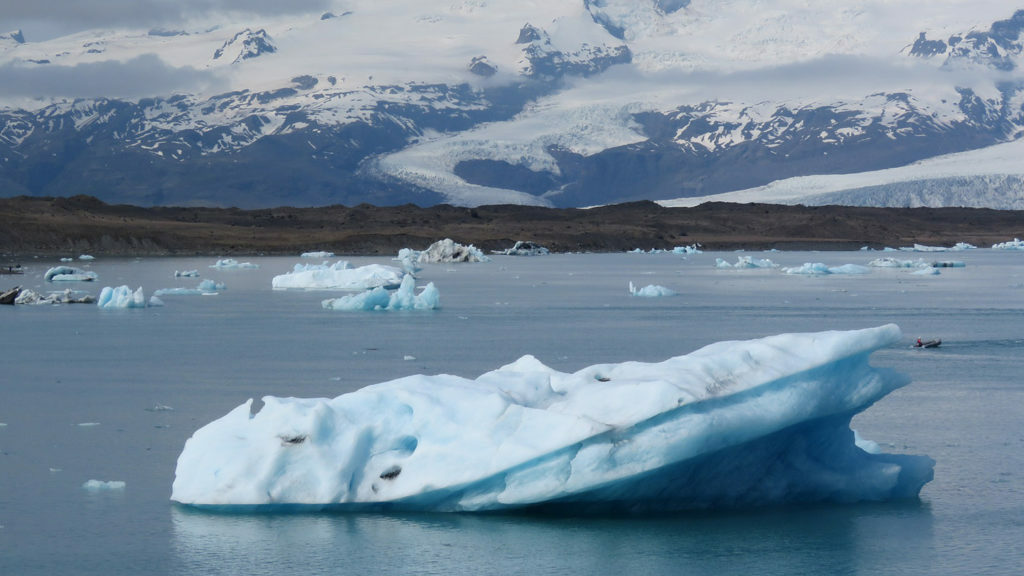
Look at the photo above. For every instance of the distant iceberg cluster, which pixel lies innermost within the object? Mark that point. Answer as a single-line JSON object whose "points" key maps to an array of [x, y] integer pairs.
{"points": [[1015, 244], [734, 424], [404, 298], [745, 263]]}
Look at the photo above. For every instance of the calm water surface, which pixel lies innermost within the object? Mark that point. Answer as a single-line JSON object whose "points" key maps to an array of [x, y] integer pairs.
{"points": [[81, 391]]}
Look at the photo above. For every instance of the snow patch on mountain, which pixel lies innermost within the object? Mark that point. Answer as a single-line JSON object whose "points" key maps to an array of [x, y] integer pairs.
{"points": [[990, 177]]}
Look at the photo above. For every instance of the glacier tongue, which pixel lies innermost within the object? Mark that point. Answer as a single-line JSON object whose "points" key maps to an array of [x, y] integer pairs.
{"points": [[733, 424]]}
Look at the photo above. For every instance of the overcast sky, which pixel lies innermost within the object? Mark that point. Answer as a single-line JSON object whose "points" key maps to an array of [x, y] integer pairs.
{"points": [[45, 19]]}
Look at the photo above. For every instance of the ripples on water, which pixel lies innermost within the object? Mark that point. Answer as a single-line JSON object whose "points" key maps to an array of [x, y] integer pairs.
{"points": [[202, 356]]}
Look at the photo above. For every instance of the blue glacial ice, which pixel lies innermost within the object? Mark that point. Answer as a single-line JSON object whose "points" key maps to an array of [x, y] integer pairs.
{"points": [[121, 297], [404, 298], [734, 424], [338, 276]]}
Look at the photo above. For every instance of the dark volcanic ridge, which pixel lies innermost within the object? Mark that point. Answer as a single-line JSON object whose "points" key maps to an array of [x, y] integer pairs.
{"points": [[83, 224]]}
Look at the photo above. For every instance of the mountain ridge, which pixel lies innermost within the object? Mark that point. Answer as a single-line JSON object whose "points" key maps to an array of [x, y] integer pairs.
{"points": [[607, 101]]}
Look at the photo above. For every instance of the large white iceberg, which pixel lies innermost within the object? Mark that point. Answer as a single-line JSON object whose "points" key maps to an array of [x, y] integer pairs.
{"points": [[404, 298], [338, 276], [733, 424], [745, 263], [69, 274]]}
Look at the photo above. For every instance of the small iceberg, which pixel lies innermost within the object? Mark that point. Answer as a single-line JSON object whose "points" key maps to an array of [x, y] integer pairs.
{"points": [[338, 276], [448, 250], [121, 297], [317, 255], [745, 263], [889, 262], [206, 286], [523, 248], [691, 249], [650, 291], [232, 264], [404, 298], [186, 273], [69, 274], [104, 485]]}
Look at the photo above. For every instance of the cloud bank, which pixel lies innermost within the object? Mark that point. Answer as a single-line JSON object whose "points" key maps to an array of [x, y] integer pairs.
{"points": [[145, 75]]}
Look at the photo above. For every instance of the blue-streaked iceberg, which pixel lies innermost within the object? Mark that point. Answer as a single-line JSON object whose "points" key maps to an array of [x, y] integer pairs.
{"points": [[338, 276], [733, 424], [818, 269], [404, 298], [121, 297], [69, 274]]}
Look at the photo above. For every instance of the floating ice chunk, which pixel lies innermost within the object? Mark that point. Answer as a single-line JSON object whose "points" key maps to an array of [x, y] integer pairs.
{"points": [[650, 291], [69, 274], [102, 485], [949, 264], [691, 249], [1015, 244], [523, 248], [818, 269], [319, 255], [186, 273], [338, 276], [955, 248], [404, 298], [745, 263], [155, 302], [159, 408], [926, 272], [121, 297], [232, 264], [733, 424], [448, 250], [889, 262], [86, 257]]}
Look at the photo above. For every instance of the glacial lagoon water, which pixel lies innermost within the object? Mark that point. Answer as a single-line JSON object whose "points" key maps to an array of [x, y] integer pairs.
{"points": [[112, 395]]}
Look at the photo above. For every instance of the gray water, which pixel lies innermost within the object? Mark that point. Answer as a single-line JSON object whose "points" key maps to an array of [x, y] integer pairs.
{"points": [[79, 387]]}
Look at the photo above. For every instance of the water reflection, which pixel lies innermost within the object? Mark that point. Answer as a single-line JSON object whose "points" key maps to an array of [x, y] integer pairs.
{"points": [[830, 539]]}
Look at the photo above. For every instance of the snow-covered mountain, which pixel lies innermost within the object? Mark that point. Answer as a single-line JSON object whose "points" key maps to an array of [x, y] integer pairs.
{"points": [[557, 102]]}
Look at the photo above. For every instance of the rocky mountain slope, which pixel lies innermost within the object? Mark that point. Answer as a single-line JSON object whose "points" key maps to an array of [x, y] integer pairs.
{"points": [[562, 103]]}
